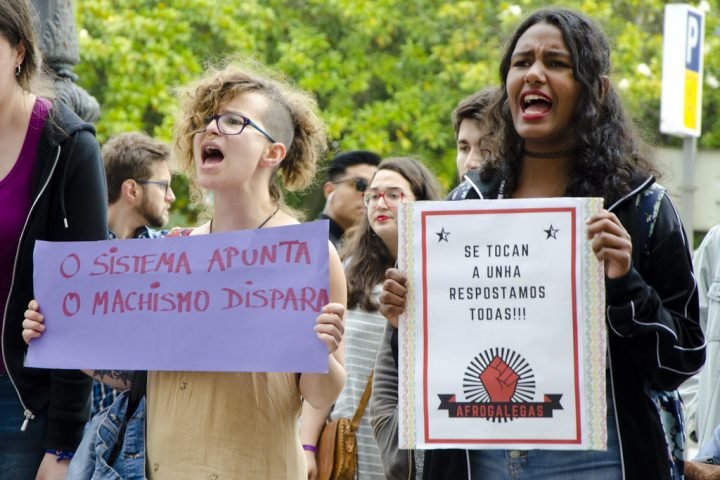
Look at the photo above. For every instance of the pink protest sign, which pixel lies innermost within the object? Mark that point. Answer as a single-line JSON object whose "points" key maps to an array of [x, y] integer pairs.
{"points": [[236, 301]]}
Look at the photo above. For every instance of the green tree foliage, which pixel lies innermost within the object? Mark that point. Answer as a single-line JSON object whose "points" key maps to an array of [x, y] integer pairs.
{"points": [[387, 73]]}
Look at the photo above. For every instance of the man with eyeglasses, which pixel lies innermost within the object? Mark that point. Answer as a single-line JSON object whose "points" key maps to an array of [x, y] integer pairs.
{"points": [[137, 169], [139, 192], [348, 175]]}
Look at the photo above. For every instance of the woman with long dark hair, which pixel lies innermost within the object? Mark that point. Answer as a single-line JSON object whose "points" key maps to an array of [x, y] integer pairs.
{"points": [[564, 133], [370, 249]]}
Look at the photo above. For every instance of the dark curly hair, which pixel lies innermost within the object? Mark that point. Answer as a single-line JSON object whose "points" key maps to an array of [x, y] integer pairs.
{"points": [[367, 255], [609, 153]]}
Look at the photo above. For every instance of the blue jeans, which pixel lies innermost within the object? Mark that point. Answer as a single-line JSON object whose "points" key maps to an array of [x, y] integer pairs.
{"points": [[112, 447], [20, 452], [710, 450], [551, 464]]}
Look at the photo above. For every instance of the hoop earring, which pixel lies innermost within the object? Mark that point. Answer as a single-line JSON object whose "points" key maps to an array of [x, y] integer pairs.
{"points": [[18, 69]]}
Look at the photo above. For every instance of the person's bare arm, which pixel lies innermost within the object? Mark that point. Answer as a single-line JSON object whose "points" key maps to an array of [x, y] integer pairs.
{"points": [[34, 326], [322, 389], [118, 379]]}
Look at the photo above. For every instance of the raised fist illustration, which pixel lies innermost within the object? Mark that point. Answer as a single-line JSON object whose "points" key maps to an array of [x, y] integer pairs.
{"points": [[499, 380]]}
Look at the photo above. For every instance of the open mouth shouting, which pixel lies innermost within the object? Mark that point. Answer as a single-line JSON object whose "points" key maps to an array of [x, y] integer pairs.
{"points": [[535, 104], [211, 154]]}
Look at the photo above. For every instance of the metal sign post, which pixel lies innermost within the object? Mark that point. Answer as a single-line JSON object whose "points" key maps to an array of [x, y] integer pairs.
{"points": [[681, 102]]}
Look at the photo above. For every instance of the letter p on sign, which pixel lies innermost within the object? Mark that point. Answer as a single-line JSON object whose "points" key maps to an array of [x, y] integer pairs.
{"points": [[680, 115], [693, 42]]}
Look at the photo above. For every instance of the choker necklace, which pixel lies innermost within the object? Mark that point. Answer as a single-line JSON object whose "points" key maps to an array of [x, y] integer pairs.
{"points": [[259, 226], [549, 155]]}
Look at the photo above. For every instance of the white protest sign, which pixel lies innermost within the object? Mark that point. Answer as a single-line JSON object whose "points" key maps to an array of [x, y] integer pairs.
{"points": [[504, 341]]}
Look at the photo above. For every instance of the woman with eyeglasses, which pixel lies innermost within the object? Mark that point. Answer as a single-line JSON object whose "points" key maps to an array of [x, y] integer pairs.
{"points": [[370, 249], [242, 134], [52, 187]]}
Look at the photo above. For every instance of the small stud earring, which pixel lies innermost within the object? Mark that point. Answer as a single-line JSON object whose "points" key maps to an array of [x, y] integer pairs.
{"points": [[18, 69]]}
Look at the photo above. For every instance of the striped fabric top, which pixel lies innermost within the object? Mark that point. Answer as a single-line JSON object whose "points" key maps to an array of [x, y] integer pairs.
{"points": [[363, 333]]}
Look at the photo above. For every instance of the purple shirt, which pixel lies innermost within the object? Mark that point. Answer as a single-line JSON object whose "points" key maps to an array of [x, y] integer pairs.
{"points": [[15, 201]]}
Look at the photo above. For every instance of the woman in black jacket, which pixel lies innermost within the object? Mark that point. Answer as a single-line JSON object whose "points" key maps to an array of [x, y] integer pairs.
{"points": [[564, 133], [52, 187]]}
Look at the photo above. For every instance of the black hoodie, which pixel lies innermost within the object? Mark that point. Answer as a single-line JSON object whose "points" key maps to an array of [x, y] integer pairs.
{"points": [[69, 203]]}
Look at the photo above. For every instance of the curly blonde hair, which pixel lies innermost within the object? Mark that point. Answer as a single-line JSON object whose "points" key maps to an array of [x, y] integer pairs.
{"points": [[292, 119]]}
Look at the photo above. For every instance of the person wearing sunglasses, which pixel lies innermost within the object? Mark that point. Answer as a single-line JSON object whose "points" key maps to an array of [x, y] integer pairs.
{"points": [[348, 176]]}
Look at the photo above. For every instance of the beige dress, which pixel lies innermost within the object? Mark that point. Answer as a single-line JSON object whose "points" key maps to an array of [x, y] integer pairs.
{"points": [[223, 426]]}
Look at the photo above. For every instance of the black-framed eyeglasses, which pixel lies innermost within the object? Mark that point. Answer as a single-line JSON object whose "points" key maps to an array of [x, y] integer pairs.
{"points": [[392, 197], [162, 183], [234, 124], [359, 183]]}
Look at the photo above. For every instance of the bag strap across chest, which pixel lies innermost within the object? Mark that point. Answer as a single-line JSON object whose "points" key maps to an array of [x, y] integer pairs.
{"points": [[363, 403]]}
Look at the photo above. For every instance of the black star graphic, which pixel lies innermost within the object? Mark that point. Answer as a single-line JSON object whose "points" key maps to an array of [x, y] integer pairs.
{"points": [[442, 235], [551, 232]]}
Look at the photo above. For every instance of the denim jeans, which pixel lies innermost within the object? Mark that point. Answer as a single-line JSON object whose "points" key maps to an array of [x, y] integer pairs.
{"points": [[20, 452], [112, 447], [551, 464], [710, 450]]}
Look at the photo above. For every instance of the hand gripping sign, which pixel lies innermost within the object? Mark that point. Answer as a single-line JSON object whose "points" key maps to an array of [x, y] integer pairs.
{"points": [[236, 301], [503, 345]]}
